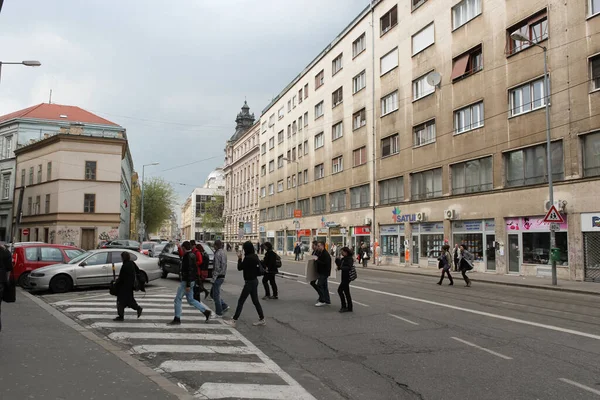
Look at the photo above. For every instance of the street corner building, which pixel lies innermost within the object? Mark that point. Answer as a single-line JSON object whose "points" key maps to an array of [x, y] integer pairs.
{"points": [[424, 123], [72, 170]]}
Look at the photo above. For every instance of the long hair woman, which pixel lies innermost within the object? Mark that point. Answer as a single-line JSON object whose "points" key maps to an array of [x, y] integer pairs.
{"points": [[345, 264], [445, 264]]}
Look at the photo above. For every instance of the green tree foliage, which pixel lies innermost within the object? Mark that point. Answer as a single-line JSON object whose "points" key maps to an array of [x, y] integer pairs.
{"points": [[159, 199], [213, 214]]}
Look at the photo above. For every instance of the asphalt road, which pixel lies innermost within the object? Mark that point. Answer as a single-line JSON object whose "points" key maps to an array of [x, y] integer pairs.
{"points": [[409, 338]]}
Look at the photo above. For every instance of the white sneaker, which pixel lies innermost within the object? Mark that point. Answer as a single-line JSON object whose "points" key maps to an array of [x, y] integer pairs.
{"points": [[319, 304], [231, 322], [216, 316], [261, 322]]}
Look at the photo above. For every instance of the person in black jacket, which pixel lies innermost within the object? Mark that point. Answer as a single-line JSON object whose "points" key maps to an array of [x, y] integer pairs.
{"points": [[5, 267], [125, 285], [270, 264], [187, 275], [250, 266], [345, 265], [323, 263]]}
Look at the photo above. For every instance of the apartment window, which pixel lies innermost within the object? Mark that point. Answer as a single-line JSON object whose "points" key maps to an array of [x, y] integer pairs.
{"points": [[422, 88], [294, 154], [417, 3], [294, 181], [263, 170], [90, 170], [271, 189], [389, 145], [8, 147], [271, 142], [467, 64], [89, 203], [271, 166], [527, 97], [336, 64], [289, 210], [424, 133], [263, 215], [264, 127], [591, 154], [294, 102], [426, 184], [271, 120], [300, 150], [37, 206], [359, 119], [300, 96], [359, 45], [280, 112], [280, 136], [289, 155], [359, 82], [535, 29], [29, 206], [359, 156], [306, 91], [391, 190], [31, 175], [593, 7], [289, 104], [389, 20], [263, 148], [337, 131], [306, 147], [472, 176], [263, 192], [289, 131], [294, 128], [337, 165], [359, 197], [319, 79], [49, 171], [595, 71], [423, 39], [300, 180], [319, 204], [306, 119], [5, 186], [388, 62], [305, 176], [47, 205], [319, 140], [465, 11], [280, 211], [280, 161], [304, 205], [23, 177], [318, 110], [271, 213], [389, 103], [319, 171], [39, 174], [337, 97], [529, 166], [280, 186], [467, 118]]}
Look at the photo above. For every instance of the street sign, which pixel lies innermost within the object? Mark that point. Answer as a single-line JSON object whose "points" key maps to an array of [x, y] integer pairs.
{"points": [[297, 213], [26, 232], [554, 216], [554, 227]]}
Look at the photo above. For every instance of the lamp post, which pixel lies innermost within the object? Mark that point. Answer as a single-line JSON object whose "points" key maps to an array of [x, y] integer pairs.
{"points": [[521, 38], [142, 225], [30, 63]]}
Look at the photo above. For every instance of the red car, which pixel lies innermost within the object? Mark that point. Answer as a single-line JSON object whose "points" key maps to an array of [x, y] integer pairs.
{"points": [[31, 256]]}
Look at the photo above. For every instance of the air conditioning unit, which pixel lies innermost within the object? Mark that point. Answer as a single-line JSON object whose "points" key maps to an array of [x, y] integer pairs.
{"points": [[367, 221], [449, 214], [420, 217], [559, 204]]}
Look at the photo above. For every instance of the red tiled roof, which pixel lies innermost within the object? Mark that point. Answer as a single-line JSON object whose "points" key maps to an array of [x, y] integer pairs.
{"points": [[53, 112]]}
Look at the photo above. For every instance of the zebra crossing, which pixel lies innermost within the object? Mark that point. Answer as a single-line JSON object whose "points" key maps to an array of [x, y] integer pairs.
{"points": [[211, 360]]}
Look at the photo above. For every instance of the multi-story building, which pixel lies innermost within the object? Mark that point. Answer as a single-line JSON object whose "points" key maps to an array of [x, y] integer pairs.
{"points": [[202, 212], [241, 180], [423, 123]]}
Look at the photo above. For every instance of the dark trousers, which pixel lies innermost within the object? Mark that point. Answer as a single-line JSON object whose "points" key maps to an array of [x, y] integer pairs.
{"points": [[446, 271], [456, 264], [465, 277], [269, 278], [128, 302], [344, 292], [297, 257], [320, 285], [1, 295], [250, 289]]}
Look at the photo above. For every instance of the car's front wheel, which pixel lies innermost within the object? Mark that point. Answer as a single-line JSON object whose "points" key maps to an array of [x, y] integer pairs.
{"points": [[23, 279], [61, 284], [165, 273]]}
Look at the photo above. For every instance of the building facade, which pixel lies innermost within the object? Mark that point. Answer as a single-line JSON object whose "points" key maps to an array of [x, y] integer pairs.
{"points": [[202, 212], [423, 123], [241, 180]]}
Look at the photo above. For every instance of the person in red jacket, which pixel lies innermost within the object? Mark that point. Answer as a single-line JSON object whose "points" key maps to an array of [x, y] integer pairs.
{"points": [[200, 283]]}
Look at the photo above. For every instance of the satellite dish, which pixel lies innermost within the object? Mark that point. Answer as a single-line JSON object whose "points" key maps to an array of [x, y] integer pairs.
{"points": [[434, 78]]}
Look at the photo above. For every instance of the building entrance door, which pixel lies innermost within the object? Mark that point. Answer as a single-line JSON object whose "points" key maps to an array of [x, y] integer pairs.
{"points": [[88, 239], [490, 253], [514, 254]]}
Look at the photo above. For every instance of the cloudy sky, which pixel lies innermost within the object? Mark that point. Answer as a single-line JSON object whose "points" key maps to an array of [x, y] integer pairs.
{"points": [[174, 73]]}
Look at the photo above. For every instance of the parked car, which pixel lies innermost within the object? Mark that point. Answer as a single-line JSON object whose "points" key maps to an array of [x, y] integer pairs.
{"points": [[170, 261], [122, 244], [158, 249], [92, 268], [29, 257], [147, 248]]}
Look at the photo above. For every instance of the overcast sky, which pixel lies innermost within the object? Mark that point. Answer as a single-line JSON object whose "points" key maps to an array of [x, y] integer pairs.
{"points": [[173, 73]]}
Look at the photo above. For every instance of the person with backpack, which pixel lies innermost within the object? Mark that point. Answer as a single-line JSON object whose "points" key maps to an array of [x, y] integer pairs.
{"points": [[271, 262], [199, 287], [125, 287], [445, 264], [346, 265]]}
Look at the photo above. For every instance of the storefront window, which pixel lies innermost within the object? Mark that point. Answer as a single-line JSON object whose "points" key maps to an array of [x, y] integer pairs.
{"points": [[536, 247], [389, 245], [279, 243], [431, 245], [291, 241], [473, 241]]}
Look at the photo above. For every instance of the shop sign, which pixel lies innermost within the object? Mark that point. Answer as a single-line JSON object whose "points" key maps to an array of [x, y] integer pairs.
{"points": [[304, 232], [397, 216], [335, 231], [331, 224], [389, 230], [322, 231], [270, 234], [530, 224], [490, 225], [467, 226], [432, 227], [362, 230], [297, 213], [590, 222]]}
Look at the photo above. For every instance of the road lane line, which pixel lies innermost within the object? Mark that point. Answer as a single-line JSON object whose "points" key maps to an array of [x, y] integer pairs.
{"points": [[144, 318], [146, 310], [150, 325], [215, 366], [580, 386], [403, 319], [360, 304], [170, 336], [143, 303], [174, 348], [250, 391], [482, 348]]}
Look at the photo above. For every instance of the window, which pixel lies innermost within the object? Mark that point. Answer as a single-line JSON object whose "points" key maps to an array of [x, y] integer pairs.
{"points": [[280, 186], [359, 119], [263, 148], [294, 154], [594, 7], [280, 137], [423, 39], [271, 120], [306, 91], [294, 128], [271, 166], [389, 103], [23, 177], [289, 104], [51, 254], [537, 244], [280, 161], [426, 184], [31, 175], [300, 96], [306, 147], [270, 213], [319, 140], [465, 11], [97, 259], [304, 205], [263, 170], [422, 88], [338, 201], [359, 45], [591, 154], [388, 62], [337, 131], [280, 112], [527, 97], [47, 205], [424, 133], [300, 150], [90, 170], [336, 64], [271, 142], [263, 215], [337, 97], [535, 29], [359, 82], [289, 210], [294, 102], [305, 176], [472, 176], [271, 189], [319, 204], [300, 180], [529, 166], [467, 64], [89, 203], [264, 127], [319, 172], [294, 181], [595, 70], [389, 145], [8, 147], [289, 131], [319, 79], [263, 192], [359, 156], [391, 190], [417, 3], [318, 110], [29, 206], [37, 205], [289, 155], [337, 165], [39, 174], [280, 212], [467, 118], [306, 118], [5, 186], [389, 20], [359, 197], [49, 171]]}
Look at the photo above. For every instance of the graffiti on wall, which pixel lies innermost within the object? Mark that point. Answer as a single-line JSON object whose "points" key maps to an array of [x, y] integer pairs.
{"points": [[109, 235], [67, 235]]}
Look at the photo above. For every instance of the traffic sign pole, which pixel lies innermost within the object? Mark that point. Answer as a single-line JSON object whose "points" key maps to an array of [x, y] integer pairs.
{"points": [[554, 218]]}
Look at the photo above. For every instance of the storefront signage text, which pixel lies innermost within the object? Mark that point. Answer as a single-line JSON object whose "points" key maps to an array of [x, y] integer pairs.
{"points": [[362, 230], [389, 230], [398, 217], [304, 232], [590, 222], [530, 224]]}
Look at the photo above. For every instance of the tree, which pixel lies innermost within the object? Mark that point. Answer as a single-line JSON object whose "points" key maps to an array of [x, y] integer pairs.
{"points": [[212, 219], [159, 199]]}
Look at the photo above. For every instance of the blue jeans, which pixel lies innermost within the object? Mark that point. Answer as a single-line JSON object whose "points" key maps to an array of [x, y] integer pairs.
{"points": [[190, 299], [320, 285], [216, 289]]}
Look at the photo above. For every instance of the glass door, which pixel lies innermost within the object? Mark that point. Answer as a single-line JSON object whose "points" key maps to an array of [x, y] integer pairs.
{"points": [[490, 253], [415, 249], [514, 254]]}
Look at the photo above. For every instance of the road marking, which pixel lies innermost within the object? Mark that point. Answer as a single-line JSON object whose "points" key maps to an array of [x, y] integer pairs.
{"points": [[403, 319], [580, 386], [250, 391], [482, 348], [146, 310], [215, 366], [360, 304], [150, 325], [143, 303], [144, 318], [174, 348], [171, 336]]}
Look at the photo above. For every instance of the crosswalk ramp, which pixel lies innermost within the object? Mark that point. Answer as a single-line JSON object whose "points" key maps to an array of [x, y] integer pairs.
{"points": [[211, 360]]}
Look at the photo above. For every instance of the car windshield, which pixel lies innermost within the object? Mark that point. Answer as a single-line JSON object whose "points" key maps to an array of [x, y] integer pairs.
{"points": [[207, 249], [72, 253], [146, 246], [80, 257]]}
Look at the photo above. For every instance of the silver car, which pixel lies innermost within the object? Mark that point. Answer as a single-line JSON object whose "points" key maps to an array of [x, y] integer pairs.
{"points": [[92, 268]]}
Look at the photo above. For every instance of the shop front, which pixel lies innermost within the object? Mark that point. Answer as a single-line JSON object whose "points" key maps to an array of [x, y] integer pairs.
{"points": [[393, 247], [590, 227], [479, 237], [361, 234], [279, 243], [290, 241], [305, 238], [427, 242], [321, 235], [271, 237], [337, 236]]}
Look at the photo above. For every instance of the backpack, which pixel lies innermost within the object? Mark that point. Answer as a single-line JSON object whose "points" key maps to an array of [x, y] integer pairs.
{"points": [[139, 281], [277, 261], [205, 261], [261, 268]]}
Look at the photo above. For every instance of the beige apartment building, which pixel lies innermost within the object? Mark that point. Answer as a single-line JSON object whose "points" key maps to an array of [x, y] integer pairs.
{"points": [[423, 123]]}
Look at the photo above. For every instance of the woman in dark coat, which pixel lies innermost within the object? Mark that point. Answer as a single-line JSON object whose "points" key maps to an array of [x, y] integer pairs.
{"points": [[345, 265], [125, 284]]}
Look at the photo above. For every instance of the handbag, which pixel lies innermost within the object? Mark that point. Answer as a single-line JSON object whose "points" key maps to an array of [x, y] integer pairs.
{"points": [[353, 275], [9, 295]]}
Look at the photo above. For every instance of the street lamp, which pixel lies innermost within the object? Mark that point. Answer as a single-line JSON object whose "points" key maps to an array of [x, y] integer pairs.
{"points": [[516, 36], [27, 63], [143, 226]]}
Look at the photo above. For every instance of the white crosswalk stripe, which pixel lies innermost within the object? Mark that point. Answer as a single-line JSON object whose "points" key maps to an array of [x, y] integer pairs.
{"points": [[212, 360]]}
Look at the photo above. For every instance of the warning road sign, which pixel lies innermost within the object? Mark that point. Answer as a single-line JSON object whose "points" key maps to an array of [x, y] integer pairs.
{"points": [[554, 216]]}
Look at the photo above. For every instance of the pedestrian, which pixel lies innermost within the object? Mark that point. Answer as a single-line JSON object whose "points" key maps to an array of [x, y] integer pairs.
{"points": [[270, 264], [445, 263], [345, 264], [323, 271], [456, 256], [364, 254], [250, 265], [315, 248], [219, 271], [466, 263], [188, 275], [334, 250], [297, 251], [6, 266], [199, 286], [125, 287]]}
